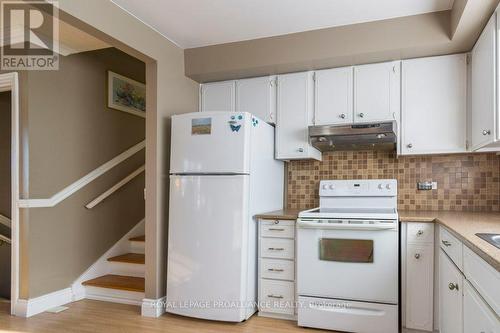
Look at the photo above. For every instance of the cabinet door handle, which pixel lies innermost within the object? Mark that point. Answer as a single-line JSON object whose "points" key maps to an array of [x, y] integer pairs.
{"points": [[420, 233], [446, 243], [410, 145], [275, 270], [342, 116], [300, 150], [276, 229], [361, 115], [486, 132], [417, 255], [275, 249], [275, 296], [453, 286]]}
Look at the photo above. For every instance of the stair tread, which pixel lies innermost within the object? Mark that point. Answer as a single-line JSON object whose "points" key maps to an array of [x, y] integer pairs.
{"points": [[138, 239], [119, 282], [130, 258]]}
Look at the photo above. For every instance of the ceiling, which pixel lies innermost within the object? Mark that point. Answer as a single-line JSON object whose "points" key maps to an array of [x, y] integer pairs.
{"points": [[195, 23]]}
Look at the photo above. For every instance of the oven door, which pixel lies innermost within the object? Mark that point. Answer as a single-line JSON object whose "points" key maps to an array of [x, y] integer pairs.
{"points": [[358, 262]]}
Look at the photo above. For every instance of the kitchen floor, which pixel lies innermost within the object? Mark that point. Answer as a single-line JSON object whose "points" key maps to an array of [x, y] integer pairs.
{"points": [[95, 316]]}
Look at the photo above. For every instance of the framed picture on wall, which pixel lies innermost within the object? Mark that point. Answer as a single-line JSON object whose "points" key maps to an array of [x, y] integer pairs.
{"points": [[126, 95]]}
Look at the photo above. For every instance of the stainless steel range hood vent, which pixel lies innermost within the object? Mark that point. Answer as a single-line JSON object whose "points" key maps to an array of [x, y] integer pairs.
{"points": [[374, 136]]}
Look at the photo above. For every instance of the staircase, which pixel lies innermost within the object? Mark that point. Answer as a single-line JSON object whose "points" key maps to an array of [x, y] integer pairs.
{"points": [[118, 276]]}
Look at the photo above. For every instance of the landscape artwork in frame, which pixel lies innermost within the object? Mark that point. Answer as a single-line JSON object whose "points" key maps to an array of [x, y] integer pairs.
{"points": [[126, 95]]}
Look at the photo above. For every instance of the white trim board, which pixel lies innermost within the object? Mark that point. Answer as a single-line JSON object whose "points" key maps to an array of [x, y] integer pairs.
{"points": [[114, 296], [5, 221], [82, 182], [153, 308], [102, 267], [34, 306], [10, 82]]}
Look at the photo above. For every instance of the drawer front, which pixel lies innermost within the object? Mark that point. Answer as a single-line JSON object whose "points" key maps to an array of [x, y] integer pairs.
{"points": [[452, 246], [420, 233], [279, 248], [483, 277], [287, 223], [349, 316], [276, 230], [277, 269], [277, 296]]}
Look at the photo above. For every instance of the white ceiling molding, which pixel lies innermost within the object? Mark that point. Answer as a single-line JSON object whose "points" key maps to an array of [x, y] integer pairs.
{"points": [[195, 23]]}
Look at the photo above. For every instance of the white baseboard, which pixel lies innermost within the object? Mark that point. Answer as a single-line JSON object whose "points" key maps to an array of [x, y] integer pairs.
{"points": [[114, 296], [34, 306], [153, 308]]}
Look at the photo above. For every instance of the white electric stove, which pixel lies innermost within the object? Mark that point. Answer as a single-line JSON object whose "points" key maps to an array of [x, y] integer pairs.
{"points": [[348, 258]]}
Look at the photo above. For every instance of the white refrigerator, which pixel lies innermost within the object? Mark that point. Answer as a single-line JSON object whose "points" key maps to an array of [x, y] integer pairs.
{"points": [[222, 173]]}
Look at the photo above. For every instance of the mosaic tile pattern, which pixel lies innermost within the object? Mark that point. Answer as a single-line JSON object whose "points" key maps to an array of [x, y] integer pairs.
{"points": [[469, 182]]}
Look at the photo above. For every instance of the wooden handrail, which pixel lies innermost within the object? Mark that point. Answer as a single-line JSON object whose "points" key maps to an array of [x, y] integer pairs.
{"points": [[5, 221], [82, 182], [115, 188]]}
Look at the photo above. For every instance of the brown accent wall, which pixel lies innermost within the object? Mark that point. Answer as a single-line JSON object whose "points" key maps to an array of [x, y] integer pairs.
{"points": [[5, 156], [468, 182], [72, 132]]}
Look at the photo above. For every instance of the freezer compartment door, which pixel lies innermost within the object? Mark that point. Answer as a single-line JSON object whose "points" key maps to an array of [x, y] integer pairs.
{"points": [[211, 143], [348, 316], [207, 247]]}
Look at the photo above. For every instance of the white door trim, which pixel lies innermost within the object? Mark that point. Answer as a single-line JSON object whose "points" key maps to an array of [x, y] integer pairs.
{"points": [[10, 82]]}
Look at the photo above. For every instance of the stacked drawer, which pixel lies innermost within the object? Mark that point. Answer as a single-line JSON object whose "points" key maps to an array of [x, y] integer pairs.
{"points": [[277, 268]]}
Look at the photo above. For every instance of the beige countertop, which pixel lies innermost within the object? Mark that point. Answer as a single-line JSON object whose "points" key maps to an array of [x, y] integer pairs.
{"points": [[464, 225], [284, 214]]}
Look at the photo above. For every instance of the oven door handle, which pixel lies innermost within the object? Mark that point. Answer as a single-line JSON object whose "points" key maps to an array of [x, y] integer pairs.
{"points": [[331, 226]]}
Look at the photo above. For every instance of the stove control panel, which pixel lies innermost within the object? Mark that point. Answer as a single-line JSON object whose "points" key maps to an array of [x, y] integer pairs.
{"points": [[362, 187]]}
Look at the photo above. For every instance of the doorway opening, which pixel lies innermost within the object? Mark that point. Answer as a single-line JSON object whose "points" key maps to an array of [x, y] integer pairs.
{"points": [[5, 200]]}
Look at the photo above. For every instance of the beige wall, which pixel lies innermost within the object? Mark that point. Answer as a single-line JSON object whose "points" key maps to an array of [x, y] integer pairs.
{"points": [[5, 143], [72, 132], [438, 33], [176, 94]]}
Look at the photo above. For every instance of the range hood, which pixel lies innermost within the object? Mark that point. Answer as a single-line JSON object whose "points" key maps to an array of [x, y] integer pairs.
{"points": [[369, 136]]}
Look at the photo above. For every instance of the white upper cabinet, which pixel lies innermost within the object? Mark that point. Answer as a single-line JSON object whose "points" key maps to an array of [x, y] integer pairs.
{"points": [[218, 96], [257, 96], [484, 110], [333, 96], [377, 92], [294, 116], [434, 105]]}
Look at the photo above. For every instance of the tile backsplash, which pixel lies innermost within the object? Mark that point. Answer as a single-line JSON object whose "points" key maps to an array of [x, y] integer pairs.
{"points": [[466, 182]]}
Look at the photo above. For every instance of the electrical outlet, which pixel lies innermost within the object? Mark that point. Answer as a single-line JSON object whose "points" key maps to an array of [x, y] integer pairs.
{"points": [[427, 186]]}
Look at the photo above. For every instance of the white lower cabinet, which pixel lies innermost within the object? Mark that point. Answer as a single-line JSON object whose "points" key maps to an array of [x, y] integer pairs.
{"points": [[478, 316], [419, 279], [420, 276], [277, 269], [450, 296]]}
